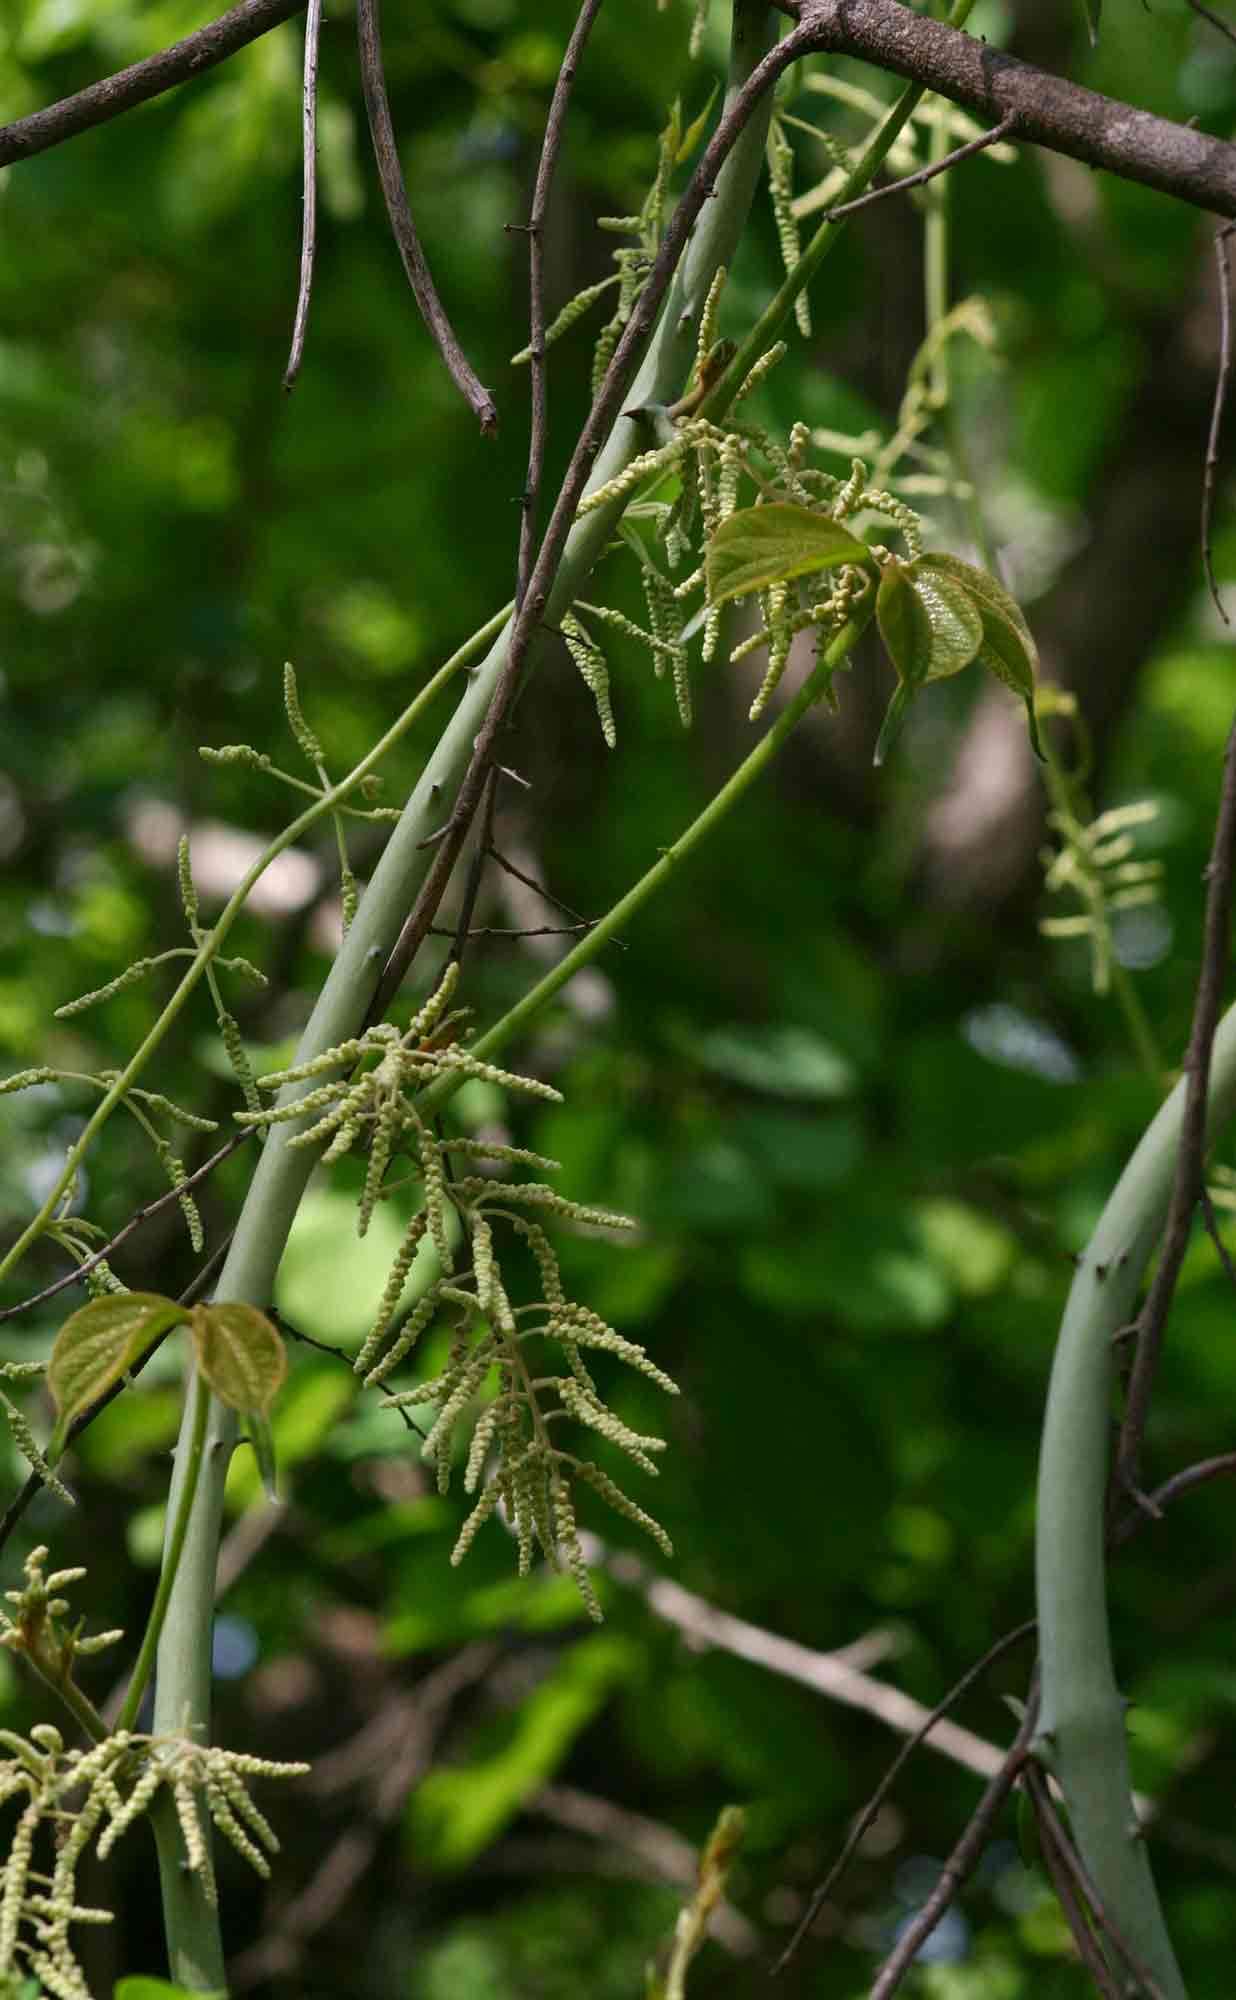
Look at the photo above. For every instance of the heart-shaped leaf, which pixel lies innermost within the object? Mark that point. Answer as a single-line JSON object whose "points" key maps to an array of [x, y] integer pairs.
{"points": [[1008, 650], [240, 1355], [96, 1346], [763, 545]]}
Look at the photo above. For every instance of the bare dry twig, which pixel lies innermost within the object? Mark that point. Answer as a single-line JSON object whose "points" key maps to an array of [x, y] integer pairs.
{"points": [[1074, 1868], [390, 173], [867, 1815], [309, 226], [1211, 473], [135, 1221], [960, 1862], [535, 230], [143, 80], [925, 174]]}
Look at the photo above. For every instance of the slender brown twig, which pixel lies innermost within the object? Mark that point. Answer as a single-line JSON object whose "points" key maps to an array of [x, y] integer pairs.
{"points": [[135, 1221], [309, 225], [1089, 1949], [867, 1815], [551, 145], [508, 867], [472, 887], [1180, 1483], [960, 1862], [1050, 1822], [509, 931], [1215, 20], [1211, 1221], [390, 173], [1188, 1182], [1211, 473], [924, 174]]}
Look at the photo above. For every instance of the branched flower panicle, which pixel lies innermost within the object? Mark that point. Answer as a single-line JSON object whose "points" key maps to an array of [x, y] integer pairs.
{"points": [[515, 1460], [71, 1798]]}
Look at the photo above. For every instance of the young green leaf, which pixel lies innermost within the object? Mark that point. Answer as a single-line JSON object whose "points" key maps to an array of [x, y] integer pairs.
{"points": [[98, 1343], [240, 1355], [762, 545], [1007, 650]]}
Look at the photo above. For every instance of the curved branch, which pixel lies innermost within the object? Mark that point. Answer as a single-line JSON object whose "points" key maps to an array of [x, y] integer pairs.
{"points": [[1048, 110], [143, 80], [1044, 109]]}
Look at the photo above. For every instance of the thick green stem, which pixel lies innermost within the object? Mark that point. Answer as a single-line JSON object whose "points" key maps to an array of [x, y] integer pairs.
{"points": [[182, 1691], [1082, 1732], [196, 1412]]}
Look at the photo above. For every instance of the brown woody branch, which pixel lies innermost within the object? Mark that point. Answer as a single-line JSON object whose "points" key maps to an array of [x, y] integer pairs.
{"points": [[143, 80], [1046, 110]]}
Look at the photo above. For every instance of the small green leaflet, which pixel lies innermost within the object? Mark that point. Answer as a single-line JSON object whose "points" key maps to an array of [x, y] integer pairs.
{"points": [[240, 1355], [937, 614], [100, 1343], [763, 545]]}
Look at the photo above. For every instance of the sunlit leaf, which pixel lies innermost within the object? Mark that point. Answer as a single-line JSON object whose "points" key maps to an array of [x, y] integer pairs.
{"points": [[98, 1343], [763, 545], [240, 1355]]}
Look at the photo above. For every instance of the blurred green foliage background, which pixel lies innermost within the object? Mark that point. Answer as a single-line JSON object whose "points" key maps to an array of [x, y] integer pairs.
{"points": [[864, 1112]]}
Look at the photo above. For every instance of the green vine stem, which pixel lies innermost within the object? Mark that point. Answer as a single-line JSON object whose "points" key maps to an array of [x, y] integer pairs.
{"points": [[209, 949], [197, 1410], [1082, 1730]]}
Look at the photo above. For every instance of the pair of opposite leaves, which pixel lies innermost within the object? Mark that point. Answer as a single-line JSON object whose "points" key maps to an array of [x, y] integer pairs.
{"points": [[936, 614], [238, 1353]]}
